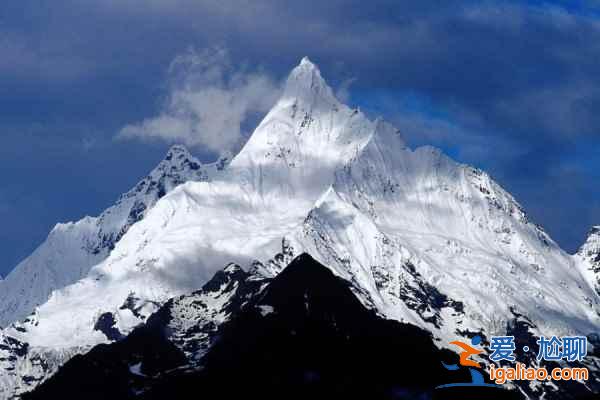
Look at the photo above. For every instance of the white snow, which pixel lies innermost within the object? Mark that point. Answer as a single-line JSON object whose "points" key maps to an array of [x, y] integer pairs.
{"points": [[71, 249], [348, 191], [588, 259], [265, 310]]}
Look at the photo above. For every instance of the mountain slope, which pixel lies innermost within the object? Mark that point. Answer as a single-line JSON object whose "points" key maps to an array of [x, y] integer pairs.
{"points": [[177, 335], [239, 216], [461, 231], [422, 239], [304, 335], [588, 257], [71, 249]]}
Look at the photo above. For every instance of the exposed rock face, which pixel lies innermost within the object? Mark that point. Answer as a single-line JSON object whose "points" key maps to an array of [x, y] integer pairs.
{"points": [[421, 239]]}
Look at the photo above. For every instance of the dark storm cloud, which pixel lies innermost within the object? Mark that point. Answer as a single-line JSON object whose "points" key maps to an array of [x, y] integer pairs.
{"points": [[512, 87]]}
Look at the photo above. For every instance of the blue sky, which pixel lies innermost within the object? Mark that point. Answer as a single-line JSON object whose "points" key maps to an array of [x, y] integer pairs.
{"points": [[511, 87]]}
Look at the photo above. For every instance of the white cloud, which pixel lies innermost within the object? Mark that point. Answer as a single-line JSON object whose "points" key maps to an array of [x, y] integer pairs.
{"points": [[208, 102]]}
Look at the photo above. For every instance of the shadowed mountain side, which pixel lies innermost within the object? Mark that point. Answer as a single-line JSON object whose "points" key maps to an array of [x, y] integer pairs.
{"points": [[306, 335]]}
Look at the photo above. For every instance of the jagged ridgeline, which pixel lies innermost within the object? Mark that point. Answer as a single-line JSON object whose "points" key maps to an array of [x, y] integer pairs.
{"points": [[420, 238], [303, 334]]}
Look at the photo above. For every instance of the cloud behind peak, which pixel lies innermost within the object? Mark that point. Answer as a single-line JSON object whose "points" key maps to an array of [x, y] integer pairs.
{"points": [[208, 102]]}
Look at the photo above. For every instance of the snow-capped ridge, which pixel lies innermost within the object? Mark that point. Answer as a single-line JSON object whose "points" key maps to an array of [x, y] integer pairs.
{"points": [[588, 258], [72, 248], [420, 237], [179, 157], [302, 140], [232, 268], [591, 246], [177, 151], [305, 83], [590, 249]]}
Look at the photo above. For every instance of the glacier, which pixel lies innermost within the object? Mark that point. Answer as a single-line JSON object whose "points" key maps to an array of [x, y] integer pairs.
{"points": [[422, 238]]}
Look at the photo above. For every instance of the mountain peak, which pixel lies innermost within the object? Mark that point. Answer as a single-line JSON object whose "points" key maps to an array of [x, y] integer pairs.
{"points": [[178, 161], [593, 235], [177, 152], [306, 83], [306, 60], [589, 254], [590, 250], [307, 63]]}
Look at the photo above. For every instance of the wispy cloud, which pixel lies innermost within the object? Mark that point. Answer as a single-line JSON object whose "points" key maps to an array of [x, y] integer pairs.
{"points": [[208, 101], [516, 83]]}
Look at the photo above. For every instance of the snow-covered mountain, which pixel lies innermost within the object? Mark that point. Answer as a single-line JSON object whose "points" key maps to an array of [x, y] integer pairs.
{"points": [[71, 249], [264, 335], [422, 238], [588, 257], [303, 334]]}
